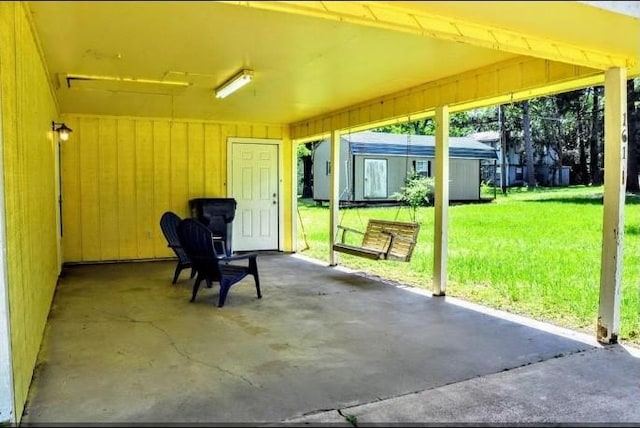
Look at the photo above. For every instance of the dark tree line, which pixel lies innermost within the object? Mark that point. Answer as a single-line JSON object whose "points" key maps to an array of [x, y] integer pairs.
{"points": [[570, 126]]}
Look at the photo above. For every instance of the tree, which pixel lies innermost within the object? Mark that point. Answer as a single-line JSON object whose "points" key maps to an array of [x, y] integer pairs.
{"points": [[582, 169], [528, 145], [305, 153], [594, 139]]}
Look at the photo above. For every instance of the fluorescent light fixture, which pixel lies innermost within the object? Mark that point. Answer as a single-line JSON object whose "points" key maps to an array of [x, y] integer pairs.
{"points": [[235, 83]]}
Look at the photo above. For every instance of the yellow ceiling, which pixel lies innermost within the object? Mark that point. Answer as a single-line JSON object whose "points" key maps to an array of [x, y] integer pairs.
{"points": [[309, 58]]}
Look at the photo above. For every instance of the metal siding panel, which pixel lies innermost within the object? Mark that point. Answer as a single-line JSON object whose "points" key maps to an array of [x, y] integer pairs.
{"points": [[320, 178], [464, 176], [358, 177], [396, 175]]}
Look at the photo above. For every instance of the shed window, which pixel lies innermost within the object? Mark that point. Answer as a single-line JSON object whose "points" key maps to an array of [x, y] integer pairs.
{"points": [[375, 178], [423, 168]]}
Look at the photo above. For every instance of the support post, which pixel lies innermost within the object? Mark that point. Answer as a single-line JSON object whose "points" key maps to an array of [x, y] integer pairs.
{"points": [[8, 415], [441, 202], [615, 154], [334, 194], [504, 166]]}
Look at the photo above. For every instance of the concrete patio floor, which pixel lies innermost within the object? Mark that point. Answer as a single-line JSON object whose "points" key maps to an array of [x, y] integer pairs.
{"points": [[323, 345]]}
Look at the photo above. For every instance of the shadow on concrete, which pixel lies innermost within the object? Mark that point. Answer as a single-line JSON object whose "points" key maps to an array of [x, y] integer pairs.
{"points": [[124, 345]]}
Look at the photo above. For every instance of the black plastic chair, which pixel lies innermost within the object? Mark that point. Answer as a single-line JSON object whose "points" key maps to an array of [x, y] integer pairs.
{"points": [[199, 243], [169, 225]]}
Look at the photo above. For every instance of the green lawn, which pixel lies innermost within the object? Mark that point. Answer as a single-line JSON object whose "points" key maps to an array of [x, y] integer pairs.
{"points": [[532, 253]]}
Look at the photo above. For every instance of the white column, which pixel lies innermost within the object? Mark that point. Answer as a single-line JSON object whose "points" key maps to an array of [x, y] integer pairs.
{"points": [[294, 197], [7, 404], [334, 194], [441, 202], [615, 164]]}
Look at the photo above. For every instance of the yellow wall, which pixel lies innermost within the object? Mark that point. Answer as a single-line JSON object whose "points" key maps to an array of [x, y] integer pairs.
{"points": [[27, 108], [119, 174]]}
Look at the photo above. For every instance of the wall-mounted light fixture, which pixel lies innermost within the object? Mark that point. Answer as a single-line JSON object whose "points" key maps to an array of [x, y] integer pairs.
{"points": [[62, 129], [235, 83]]}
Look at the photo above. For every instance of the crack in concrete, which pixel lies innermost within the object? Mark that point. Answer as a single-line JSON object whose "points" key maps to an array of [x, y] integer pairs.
{"points": [[541, 360], [379, 399], [184, 354]]}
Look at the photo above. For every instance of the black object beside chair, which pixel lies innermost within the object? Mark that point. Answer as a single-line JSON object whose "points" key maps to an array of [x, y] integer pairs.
{"points": [[217, 214], [199, 243], [169, 225]]}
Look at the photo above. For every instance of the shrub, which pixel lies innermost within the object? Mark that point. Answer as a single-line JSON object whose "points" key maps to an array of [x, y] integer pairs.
{"points": [[417, 191]]}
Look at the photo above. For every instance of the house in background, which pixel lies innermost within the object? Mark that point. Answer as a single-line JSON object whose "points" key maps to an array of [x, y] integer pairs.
{"points": [[514, 170], [375, 165], [149, 135], [546, 169]]}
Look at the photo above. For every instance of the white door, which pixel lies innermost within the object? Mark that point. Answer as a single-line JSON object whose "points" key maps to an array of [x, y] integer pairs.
{"points": [[254, 186]]}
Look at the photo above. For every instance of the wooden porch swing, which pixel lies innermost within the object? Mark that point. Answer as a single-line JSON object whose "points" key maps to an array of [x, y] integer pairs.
{"points": [[382, 239]]}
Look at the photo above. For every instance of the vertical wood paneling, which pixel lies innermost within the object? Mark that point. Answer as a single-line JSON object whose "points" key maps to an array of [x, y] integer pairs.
{"points": [[127, 215], [196, 168], [416, 102], [161, 183], [179, 169], [212, 143], [145, 223], [244, 131], [144, 167], [225, 132], [468, 85], [27, 108], [375, 111], [388, 108], [260, 131], [71, 202], [108, 190], [274, 132], [16, 235], [89, 189]]}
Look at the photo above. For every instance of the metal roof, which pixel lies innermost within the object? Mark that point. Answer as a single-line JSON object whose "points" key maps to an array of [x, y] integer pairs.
{"points": [[387, 144]]}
